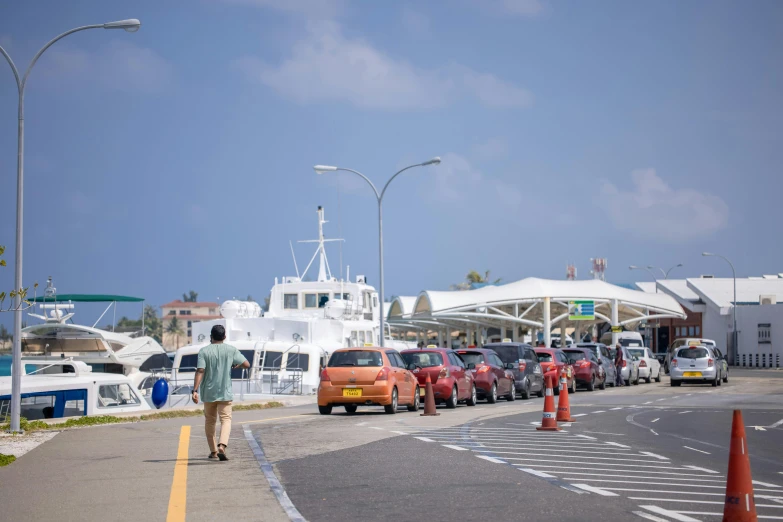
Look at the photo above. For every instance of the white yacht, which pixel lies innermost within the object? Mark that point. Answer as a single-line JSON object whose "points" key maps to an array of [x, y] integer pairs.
{"points": [[289, 344]]}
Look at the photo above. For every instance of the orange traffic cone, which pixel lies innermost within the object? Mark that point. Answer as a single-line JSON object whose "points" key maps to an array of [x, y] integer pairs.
{"points": [[739, 506], [548, 422], [563, 406], [429, 399]]}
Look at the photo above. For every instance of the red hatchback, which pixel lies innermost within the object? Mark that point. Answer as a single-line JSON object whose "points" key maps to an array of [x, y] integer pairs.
{"points": [[491, 375], [451, 381], [587, 369], [554, 362]]}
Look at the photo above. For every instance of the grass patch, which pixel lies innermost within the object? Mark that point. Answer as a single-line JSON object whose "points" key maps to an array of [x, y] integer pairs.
{"points": [[30, 426], [6, 459]]}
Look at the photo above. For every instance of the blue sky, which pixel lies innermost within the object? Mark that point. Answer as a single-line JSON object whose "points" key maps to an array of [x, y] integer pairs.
{"points": [[180, 157]]}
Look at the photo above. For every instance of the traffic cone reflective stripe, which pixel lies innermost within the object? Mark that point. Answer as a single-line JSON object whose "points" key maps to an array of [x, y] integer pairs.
{"points": [[563, 406], [429, 399], [739, 504], [548, 422]]}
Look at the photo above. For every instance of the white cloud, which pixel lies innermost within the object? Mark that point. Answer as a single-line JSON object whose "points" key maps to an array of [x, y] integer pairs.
{"points": [[327, 66], [493, 148], [119, 65], [310, 8], [417, 23], [457, 180], [654, 209]]}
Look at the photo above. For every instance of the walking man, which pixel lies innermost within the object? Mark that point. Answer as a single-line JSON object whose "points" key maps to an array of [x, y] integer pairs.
{"points": [[618, 366], [213, 379]]}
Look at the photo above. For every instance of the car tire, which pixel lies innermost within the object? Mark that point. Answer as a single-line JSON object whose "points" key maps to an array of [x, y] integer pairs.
{"points": [[627, 382], [719, 381], [473, 397], [452, 401], [525, 394], [591, 384], [648, 380], [391, 409], [726, 377], [715, 382], [636, 382], [602, 386], [416, 401], [658, 379], [540, 392], [675, 383], [512, 396], [325, 410], [573, 386], [492, 397], [555, 391], [351, 408]]}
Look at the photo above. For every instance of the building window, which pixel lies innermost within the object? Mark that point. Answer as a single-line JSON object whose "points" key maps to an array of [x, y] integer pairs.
{"points": [[691, 331], [374, 302], [698, 331], [310, 301], [291, 301], [172, 312], [347, 296], [114, 395], [190, 332], [211, 311], [190, 323], [322, 300], [765, 333], [184, 312]]}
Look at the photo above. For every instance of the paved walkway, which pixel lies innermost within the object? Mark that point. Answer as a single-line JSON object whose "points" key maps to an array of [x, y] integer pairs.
{"points": [[127, 472]]}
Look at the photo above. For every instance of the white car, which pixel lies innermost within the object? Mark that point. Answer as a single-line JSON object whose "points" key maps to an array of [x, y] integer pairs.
{"points": [[649, 366]]}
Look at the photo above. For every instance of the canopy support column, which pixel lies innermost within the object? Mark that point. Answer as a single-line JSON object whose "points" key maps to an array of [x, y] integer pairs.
{"points": [[615, 320], [547, 322], [449, 342]]}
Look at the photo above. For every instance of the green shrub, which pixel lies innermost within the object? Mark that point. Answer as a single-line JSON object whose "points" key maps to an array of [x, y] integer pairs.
{"points": [[6, 459]]}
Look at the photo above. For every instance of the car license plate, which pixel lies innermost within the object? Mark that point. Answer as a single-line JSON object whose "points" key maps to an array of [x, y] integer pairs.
{"points": [[691, 374], [421, 392], [352, 392]]}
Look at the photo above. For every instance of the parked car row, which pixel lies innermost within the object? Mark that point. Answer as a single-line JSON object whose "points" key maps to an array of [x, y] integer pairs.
{"points": [[372, 376]]}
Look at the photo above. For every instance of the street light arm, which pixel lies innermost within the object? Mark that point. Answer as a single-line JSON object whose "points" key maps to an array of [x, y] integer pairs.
{"points": [[395, 175], [365, 178], [659, 268], [13, 68]]}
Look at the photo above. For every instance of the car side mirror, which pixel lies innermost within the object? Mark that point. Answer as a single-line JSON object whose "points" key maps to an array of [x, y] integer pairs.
{"points": [[600, 361], [509, 366], [470, 366], [411, 366]]}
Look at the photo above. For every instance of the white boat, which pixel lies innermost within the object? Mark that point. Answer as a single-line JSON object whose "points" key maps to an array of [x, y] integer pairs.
{"points": [[289, 344], [68, 388]]}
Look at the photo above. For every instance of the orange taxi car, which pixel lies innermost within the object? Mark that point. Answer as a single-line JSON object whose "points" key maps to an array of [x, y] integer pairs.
{"points": [[367, 376]]}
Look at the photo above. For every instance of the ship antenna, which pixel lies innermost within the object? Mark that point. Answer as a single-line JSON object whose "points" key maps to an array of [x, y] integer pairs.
{"points": [[291, 244]]}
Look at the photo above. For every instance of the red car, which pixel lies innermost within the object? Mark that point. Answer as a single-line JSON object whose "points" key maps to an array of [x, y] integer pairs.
{"points": [[451, 381], [491, 376], [587, 369], [554, 362]]}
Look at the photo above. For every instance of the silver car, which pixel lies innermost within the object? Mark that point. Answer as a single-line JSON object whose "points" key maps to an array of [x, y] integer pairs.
{"points": [[629, 373], [696, 364]]}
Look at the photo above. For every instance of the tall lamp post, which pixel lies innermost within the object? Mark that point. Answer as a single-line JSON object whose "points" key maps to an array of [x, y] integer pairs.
{"points": [[665, 272], [648, 269], [734, 337], [321, 169], [131, 26]]}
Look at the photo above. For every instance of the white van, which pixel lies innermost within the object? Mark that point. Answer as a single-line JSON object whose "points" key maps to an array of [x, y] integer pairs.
{"points": [[624, 338]]}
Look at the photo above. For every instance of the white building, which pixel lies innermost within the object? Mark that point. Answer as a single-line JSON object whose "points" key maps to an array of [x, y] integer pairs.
{"points": [[709, 304]]}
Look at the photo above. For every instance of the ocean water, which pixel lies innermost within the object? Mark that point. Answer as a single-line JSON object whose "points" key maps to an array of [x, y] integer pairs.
{"points": [[5, 365]]}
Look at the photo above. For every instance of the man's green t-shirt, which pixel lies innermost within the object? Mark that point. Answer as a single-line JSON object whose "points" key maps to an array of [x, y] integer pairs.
{"points": [[217, 360]]}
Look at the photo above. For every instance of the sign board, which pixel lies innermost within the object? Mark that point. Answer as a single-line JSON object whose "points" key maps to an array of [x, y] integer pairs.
{"points": [[581, 310], [617, 329]]}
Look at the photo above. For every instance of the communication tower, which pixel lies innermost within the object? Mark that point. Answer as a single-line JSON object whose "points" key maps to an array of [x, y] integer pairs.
{"points": [[599, 268], [570, 272]]}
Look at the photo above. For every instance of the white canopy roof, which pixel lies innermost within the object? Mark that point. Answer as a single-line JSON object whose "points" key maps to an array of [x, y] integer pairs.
{"points": [[720, 291]]}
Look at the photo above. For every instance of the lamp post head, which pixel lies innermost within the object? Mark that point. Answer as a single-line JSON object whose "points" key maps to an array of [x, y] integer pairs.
{"points": [[632, 267], [707, 254], [320, 169], [131, 25], [433, 161], [678, 265]]}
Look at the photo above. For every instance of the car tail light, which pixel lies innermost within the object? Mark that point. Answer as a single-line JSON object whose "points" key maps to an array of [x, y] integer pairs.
{"points": [[383, 374], [710, 363], [483, 369], [325, 376], [674, 362], [444, 373], [624, 363], [522, 366], [584, 364], [643, 364]]}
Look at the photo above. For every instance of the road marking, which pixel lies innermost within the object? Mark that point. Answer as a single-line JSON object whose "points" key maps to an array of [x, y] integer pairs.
{"points": [[586, 437], [301, 416], [683, 501], [179, 484], [458, 448], [274, 484], [697, 468], [654, 455], [659, 400], [361, 423], [492, 447], [621, 474], [723, 487], [537, 473], [491, 459], [686, 411], [656, 420], [424, 439], [648, 402], [399, 432], [623, 459], [767, 484], [376, 428], [579, 415], [700, 451], [618, 408], [597, 491], [671, 514], [617, 444], [654, 432], [658, 466], [778, 423], [598, 411], [674, 492], [649, 516]]}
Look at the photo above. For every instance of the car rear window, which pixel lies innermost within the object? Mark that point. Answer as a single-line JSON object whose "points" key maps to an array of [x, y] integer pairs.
{"points": [[423, 359], [636, 352], [629, 342], [544, 357], [356, 358], [507, 354], [692, 353], [575, 355], [472, 357]]}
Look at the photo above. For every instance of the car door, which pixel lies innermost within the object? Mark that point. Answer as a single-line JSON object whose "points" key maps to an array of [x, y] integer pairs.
{"points": [[655, 366], [535, 376], [409, 379], [400, 374], [457, 369], [498, 368]]}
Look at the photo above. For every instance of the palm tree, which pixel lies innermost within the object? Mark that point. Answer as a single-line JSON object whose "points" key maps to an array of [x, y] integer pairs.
{"points": [[190, 297], [4, 335], [475, 277], [175, 328]]}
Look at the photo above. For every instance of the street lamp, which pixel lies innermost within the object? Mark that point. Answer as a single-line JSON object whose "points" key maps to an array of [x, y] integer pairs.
{"points": [[130, 26], [321, 169], [647, 268], [733, 305], [665, 273]]}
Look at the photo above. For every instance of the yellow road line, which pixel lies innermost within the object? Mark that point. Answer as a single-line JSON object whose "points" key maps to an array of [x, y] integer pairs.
{"points": [[303, 416], [179, 486]]}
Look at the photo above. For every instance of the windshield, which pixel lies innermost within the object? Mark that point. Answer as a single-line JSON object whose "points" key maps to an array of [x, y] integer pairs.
{"points": [[629, 342], [507, 354], [637, 353], [423, 359], [575, 356], [472, 357], [544, 357], [356, 358], [692, 353]]}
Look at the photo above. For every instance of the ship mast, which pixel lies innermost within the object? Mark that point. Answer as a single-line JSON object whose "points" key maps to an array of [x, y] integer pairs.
{"points": [[324, 272]]}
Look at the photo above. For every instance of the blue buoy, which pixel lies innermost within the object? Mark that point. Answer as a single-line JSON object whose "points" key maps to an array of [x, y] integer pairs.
{"points": [[160, 392]]}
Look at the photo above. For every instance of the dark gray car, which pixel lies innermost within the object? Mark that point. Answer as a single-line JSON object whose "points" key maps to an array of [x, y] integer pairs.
{"points": [[528, 377], [607, 363]]}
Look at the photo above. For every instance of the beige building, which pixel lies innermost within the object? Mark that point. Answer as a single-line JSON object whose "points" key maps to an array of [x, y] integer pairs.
{"points": [[186, 314]]}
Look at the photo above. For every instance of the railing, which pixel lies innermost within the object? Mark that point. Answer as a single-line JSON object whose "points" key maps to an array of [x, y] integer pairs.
{"points": [[5, 410]]}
